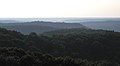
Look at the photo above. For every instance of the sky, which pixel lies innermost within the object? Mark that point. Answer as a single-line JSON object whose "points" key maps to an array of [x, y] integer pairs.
{"points": [[59, 8]]}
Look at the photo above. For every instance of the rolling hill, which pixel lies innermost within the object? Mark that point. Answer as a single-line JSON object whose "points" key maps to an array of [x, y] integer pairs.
{"points": [[39, 26], [106, 25], [92, 45]]}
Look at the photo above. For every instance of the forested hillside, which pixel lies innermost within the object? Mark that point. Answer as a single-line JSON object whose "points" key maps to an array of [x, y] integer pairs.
{"points": [[98, 47]]}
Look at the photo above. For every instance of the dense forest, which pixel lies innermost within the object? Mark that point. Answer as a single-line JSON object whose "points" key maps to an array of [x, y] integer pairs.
{"points": [[64, 47]]}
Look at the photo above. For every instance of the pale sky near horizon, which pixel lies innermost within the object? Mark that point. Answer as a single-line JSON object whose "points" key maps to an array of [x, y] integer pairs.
{"points": [[59, 8]]}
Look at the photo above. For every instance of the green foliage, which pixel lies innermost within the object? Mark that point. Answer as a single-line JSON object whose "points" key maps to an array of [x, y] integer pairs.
{"points": [[11, 57], [99, 47]]}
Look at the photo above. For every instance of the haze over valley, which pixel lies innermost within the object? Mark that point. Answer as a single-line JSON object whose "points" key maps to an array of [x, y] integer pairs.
{"points": [[40, 25]]}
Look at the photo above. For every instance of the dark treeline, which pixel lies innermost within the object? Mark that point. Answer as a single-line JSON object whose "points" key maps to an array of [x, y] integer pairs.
{"points": [[67, 47], [20, 57]]}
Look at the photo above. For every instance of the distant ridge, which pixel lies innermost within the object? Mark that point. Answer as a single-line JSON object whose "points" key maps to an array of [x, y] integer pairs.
{"points": [[39, 26], [8, 21], [105, 25]]}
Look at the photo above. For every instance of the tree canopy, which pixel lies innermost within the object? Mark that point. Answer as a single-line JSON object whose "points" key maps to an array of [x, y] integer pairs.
{"points": [[71, 47]]}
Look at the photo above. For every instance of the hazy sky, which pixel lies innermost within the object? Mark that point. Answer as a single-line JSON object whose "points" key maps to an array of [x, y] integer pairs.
{"points": [[59, 8]]}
